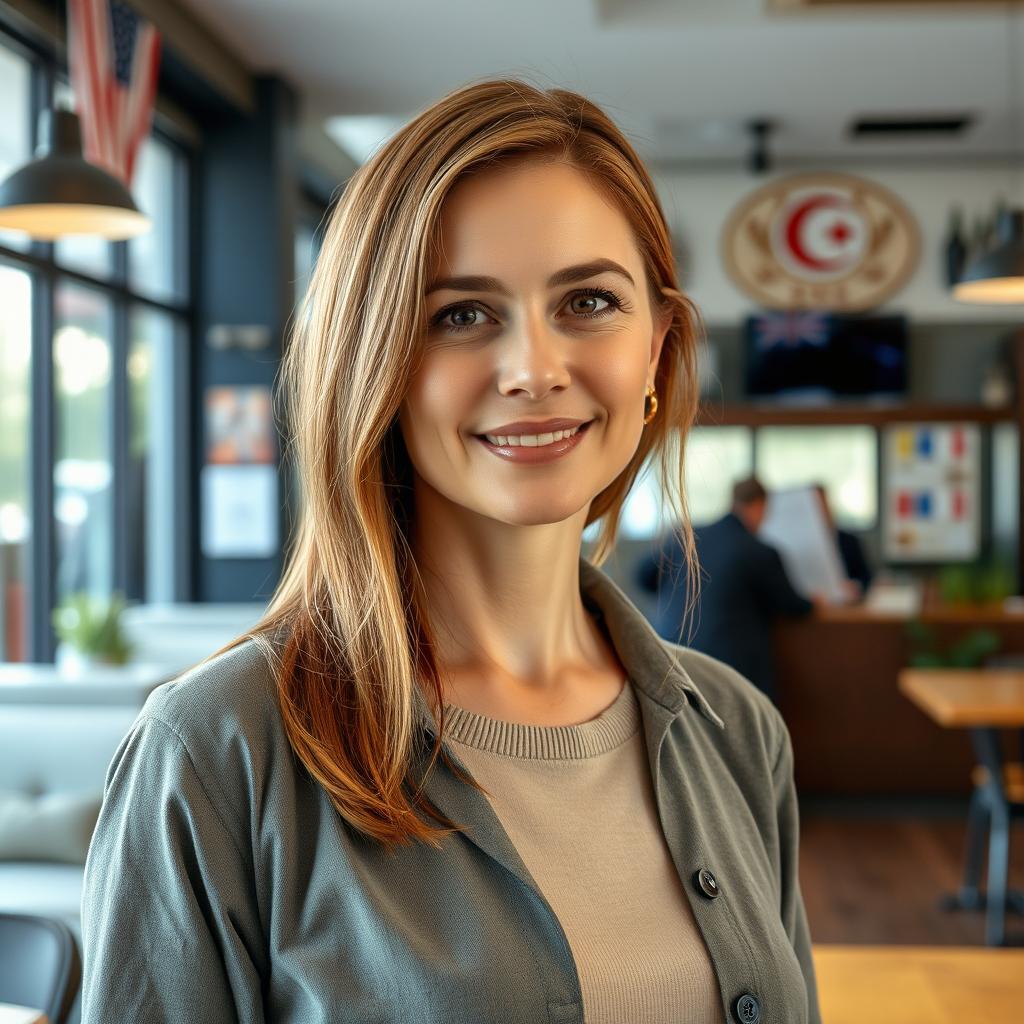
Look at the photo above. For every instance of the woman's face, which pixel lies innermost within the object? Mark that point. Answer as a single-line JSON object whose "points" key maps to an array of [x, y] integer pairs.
{"points": [[550, 334]]}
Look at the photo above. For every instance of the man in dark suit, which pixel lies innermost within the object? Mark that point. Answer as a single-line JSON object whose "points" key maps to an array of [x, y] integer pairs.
{"points": [[743, 587]]}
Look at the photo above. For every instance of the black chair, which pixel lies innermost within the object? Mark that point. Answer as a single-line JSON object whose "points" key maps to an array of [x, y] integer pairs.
{"points": [[39, 964]]}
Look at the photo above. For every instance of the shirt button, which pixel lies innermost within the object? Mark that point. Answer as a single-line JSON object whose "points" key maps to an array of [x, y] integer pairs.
{"points": [[707, 883], [747, 1009]]}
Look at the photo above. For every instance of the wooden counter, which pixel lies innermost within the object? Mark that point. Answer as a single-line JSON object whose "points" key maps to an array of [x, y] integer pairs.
{"points": [[853, 731]]}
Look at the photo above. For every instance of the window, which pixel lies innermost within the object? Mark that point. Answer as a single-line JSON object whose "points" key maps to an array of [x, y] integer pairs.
{"points": [[156, 265], [109, 320], [15, 412], [716, 457], [15, 126], [83, 459], [154, 427], [844, 459]]}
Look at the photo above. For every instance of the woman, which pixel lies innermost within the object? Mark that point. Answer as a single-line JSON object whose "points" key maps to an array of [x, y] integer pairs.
{"points": [[454, 775]]}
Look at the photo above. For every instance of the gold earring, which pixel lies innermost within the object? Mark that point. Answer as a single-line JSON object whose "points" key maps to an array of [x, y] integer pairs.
{"points": [[650, 413]]}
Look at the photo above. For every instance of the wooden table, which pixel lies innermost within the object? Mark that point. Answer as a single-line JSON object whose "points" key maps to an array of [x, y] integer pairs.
{"points": [[982, 701], [919, 984]]}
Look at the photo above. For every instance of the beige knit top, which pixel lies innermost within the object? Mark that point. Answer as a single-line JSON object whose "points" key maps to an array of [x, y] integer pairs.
{"points": [[577, 803]]}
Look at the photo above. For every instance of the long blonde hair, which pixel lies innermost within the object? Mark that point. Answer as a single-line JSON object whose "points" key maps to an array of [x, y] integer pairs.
{"points": [[346, 629]]}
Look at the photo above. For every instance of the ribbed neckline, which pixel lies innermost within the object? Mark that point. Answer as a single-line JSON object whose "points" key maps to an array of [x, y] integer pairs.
{"points": [[609, 729]]}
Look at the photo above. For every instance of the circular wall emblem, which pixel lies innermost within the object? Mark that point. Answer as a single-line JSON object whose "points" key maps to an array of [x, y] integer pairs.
{"points": [[820, 241]]}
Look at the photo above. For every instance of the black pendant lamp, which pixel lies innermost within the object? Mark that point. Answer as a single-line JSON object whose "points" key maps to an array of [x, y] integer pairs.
{"points": [[997, 276], [61, 193]]}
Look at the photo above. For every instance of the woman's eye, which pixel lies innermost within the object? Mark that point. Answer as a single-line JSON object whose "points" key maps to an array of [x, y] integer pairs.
{"points": [[589, 307], [459, 318]]}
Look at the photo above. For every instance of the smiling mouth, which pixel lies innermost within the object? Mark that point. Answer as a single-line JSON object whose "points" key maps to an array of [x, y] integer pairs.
{"points": [[551, 437]]}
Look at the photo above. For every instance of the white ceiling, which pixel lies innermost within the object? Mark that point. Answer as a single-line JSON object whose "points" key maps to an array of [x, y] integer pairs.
{"points": [[680, 76]]}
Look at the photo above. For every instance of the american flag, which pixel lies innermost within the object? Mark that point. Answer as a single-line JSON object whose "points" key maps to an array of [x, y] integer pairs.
{"points": [[114, 56]]}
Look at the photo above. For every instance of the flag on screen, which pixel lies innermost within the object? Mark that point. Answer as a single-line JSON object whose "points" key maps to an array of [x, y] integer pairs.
{"points": [[114, 56]]}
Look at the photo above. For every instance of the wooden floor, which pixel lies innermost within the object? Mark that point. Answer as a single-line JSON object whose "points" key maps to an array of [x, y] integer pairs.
{"points": [[876, 878]]}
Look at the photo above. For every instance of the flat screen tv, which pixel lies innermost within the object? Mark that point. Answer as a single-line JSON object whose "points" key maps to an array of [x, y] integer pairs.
{"points": [[819, 355]]}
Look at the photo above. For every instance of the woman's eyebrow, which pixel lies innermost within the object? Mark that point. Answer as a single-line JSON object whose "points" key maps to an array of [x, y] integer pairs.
{"points": [[568, 275]]}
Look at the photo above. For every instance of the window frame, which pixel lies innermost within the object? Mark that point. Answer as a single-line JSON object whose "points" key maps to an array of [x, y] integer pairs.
{"points": [[40, 262]]}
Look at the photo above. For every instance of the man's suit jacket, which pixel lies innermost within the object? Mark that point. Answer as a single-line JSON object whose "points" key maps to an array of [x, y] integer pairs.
{"points": [[743, 588]]}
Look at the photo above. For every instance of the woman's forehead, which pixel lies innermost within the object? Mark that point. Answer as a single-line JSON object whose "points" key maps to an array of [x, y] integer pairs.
{"points": [[532, 218]]}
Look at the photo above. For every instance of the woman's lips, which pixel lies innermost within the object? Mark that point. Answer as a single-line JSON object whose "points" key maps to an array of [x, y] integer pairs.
{"points": [[529, 455]]}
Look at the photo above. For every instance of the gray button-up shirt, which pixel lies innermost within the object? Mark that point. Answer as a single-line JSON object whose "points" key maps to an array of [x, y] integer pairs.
{"points": [[222, 885]]}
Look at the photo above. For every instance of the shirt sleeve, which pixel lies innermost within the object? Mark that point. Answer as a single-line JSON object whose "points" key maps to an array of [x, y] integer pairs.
{"points": [[169, 926], [794, 916]]}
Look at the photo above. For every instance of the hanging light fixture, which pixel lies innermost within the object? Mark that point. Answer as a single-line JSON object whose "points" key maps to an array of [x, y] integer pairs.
{"points": [[61, 193], [997, 275]]}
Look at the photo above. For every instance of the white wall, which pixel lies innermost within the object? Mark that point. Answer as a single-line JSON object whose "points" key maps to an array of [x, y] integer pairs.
{"points": [[698, 203]]}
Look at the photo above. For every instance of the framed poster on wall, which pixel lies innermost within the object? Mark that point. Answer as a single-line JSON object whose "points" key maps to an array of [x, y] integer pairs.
{"points": [[239, 480], [931, 492]]}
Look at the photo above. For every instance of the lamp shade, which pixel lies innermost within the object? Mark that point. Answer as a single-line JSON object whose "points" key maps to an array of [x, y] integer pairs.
{"points": [[61, 193], [997, 276]]}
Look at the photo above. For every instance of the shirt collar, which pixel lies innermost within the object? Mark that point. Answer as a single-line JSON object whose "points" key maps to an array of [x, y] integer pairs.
{"points": [[647, 658]]}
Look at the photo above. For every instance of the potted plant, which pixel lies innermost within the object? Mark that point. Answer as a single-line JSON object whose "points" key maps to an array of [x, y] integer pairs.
{"points": [[969, 651], [89, 629]]}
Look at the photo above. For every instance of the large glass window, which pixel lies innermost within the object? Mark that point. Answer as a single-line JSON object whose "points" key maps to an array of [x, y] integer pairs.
{"points": [[15, 413], [716, 457], [153, 429], [83, 459], [844, 459], [109, 321], [15, 126], [155, 259]]}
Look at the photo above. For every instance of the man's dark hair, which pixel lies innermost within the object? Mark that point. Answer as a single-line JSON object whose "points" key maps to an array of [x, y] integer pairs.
{"points": [[747, 491]]}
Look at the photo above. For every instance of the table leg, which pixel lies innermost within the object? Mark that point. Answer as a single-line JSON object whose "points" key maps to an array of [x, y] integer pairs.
{"points": [[970, 896], [986, 749], [989, 807]]}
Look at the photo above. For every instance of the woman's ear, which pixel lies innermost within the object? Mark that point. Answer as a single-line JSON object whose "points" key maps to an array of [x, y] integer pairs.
{"points": [[661, 328]]}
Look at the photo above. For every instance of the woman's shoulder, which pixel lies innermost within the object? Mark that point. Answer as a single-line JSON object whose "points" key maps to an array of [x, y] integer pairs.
{"points": [[222, 708]]}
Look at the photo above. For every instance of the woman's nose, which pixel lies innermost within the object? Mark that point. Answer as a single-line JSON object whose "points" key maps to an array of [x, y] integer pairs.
{"points": [[534, 358]]}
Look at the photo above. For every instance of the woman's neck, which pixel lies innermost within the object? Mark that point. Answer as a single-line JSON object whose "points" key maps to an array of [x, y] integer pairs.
{"points": [[510, 628]]}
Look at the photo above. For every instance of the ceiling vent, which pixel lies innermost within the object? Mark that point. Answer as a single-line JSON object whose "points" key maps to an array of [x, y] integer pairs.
{"points": [[888, 127]]}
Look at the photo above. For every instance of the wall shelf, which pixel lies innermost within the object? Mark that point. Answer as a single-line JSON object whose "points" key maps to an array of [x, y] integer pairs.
{"points": [[754, 414]]}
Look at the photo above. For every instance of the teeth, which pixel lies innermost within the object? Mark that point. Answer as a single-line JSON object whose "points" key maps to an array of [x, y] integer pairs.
{"points": [[530, 440]]}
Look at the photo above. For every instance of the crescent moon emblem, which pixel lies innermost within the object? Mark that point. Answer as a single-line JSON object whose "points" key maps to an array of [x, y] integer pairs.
{"points": [[794, 232]]}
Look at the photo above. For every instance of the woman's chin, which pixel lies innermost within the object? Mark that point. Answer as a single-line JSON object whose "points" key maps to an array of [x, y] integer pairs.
{"points": [[537, 513]]}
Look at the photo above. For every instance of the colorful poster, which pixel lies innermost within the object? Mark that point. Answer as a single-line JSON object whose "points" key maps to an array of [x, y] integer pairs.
{"points": [[239, 483], [931, 492], [239, 425]]}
